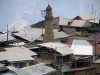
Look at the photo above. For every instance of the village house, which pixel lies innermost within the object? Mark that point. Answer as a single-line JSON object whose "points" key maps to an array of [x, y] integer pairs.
{"points": [[55, 54], [83, 52], [94, 20], [17, 57], [75, 25]]}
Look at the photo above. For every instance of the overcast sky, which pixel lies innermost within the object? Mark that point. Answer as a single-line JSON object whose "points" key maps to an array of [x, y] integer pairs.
{"points": [[21, 13]]}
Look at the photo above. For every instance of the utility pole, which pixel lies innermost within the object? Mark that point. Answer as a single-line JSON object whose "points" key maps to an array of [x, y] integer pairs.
{"points": [[7, 32]]}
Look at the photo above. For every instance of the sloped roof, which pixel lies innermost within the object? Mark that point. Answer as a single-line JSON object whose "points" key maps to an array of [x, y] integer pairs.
{"points": [[21, 49], [82, 47], [38, 69], [12, 56], [61, 48], [80, 23], [31, 34], [63, 21], [3, 37]]}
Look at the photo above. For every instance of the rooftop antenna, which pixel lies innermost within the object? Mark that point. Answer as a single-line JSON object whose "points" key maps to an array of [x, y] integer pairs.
{"points": [[7, 32]]}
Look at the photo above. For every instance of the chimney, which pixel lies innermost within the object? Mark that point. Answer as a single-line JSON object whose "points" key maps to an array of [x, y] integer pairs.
{"points": [[48, 35]]}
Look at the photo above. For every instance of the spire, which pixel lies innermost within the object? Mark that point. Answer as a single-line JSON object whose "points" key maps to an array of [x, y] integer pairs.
{"points": [[48, 8]]}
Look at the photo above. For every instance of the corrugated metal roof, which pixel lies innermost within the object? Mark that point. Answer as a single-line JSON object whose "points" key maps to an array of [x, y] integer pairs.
{"points": [[61, 48], [82, 47], [31, 34], [80, 23], [63, 21], [3, 37], [20, 49], [38, 69], [12, 56]]}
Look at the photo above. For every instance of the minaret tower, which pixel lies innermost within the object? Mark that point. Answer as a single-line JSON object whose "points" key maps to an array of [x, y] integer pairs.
{"points": [[48, 36]]}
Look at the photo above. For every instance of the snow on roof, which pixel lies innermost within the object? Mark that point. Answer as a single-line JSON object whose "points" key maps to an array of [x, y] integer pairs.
{"points": [[21, 49], [80, 23], [38, 69], [31, 34], [82, 47], [3, 37], [61, 48], [12, 56]]}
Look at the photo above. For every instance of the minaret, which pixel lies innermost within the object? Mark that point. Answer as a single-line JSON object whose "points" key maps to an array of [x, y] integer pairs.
{"points": [[48, 35]]}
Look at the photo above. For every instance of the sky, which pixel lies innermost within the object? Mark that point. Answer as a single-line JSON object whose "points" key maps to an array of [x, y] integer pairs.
{"points": [[21, 13]]}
